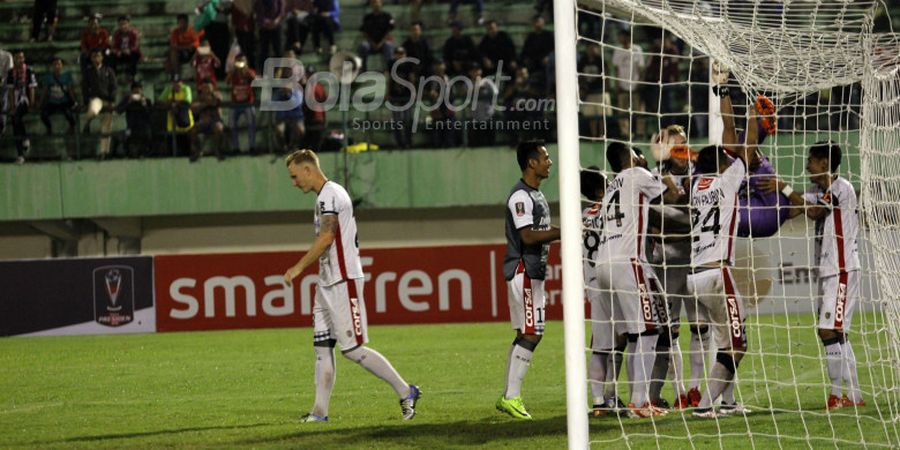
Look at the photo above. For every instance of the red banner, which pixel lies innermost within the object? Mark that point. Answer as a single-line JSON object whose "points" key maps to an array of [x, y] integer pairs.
{"points": [[403, 285]]}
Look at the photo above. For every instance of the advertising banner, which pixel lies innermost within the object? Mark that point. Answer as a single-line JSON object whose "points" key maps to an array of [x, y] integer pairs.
{"points": [[403, 286], [77, 296]]}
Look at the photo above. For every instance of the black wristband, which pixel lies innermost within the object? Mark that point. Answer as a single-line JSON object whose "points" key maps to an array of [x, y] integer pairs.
{"points": [[721, 91]]}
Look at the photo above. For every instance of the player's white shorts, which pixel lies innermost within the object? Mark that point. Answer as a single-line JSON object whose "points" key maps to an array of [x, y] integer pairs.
{"points": [[526, 304], [340, 314], [629, 283], [838, 296], [716, 290], [606, 322]]}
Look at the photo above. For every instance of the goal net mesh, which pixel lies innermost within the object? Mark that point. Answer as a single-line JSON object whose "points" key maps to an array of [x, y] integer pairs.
{"points": [[645, 65]]}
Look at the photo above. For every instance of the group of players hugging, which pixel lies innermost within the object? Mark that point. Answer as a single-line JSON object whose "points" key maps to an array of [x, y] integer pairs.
{"points": [[656, 240]]}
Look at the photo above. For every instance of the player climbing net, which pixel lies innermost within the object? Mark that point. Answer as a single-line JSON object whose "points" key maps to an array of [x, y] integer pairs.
{"points": [[639, 66]]}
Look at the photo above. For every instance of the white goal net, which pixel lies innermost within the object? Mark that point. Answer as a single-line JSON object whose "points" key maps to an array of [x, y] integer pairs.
{"points": [[632, 72]]}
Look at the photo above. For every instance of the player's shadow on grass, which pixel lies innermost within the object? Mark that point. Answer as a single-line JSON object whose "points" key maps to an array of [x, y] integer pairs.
{"points": [[435, 435], [103, 437]]}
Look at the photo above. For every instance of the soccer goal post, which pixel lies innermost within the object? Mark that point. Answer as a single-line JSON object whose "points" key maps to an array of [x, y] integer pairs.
{"points": [[625, 70]]}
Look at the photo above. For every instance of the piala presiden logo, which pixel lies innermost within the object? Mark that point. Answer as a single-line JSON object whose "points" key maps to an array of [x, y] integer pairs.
{"points": [[114, 295]]}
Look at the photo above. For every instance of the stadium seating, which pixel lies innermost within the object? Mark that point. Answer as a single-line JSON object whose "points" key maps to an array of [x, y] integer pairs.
{"points": [[156, 18]]}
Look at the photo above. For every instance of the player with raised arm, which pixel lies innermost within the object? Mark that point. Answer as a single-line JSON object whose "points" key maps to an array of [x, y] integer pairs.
{"points": [[339, 314], [528, 237], [714, 220], [832, 204], [670, 255], [607, 337], [762, 211], [622, 269]]}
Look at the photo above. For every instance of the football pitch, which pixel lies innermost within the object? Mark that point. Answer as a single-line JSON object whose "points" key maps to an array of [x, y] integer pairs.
{"points": [[246, 389]]}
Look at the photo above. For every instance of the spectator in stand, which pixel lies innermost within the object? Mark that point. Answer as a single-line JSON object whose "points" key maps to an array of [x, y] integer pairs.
{"points": [[216, 30], [177, 98], [242, 100], [417, 47], [459, 50], [497, 46], [294, 71], [45, 11], [58, 96], [244, 27], [269, 20], [515, 98], [205, 63], [183, 44], [126, 47], [6, 63], [536, 52], [22, 83], [207, 108], [483, 108], [298, 22], [289, 125], [628, 61], [376, 29], [314, 116], [443, 134], [661, 72], [399, 96], [590, 87], [324, 22], [138, 131], [479, 10], [98, 87], [94, 37]]}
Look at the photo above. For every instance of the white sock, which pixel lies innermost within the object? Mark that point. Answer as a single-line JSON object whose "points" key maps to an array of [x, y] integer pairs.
{"points": [[719, 378], [728, 393], [380, 367], [849, 373], [834, 359], [630, 361], [699, 350], [644, 356], [597, 371], [612, 374], [519, 361], [325, 376], [676, 369]]}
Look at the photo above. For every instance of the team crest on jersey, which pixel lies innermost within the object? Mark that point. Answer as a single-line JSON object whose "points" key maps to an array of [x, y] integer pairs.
{"points": [[520, 209], [704, 183]]}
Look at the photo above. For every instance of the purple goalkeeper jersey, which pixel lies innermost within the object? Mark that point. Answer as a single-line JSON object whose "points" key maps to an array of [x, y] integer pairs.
{"points": [[762, 213]]}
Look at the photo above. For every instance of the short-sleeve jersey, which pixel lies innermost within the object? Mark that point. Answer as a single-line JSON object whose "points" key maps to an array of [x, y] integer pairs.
{"points": [[591, 234], [714, 215], [672, 250], [341, 261], [625, 211], [526, 207], [836, 234]]}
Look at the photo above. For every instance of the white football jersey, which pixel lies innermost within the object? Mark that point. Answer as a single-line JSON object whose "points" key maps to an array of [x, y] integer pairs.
{"points": [[624, 211], [714, 215], [591, 234], [836, 234], [341, 261], [673, 250]]}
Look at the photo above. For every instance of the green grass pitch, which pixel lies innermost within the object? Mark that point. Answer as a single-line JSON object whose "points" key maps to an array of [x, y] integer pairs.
{"points": [[245, 389]]}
